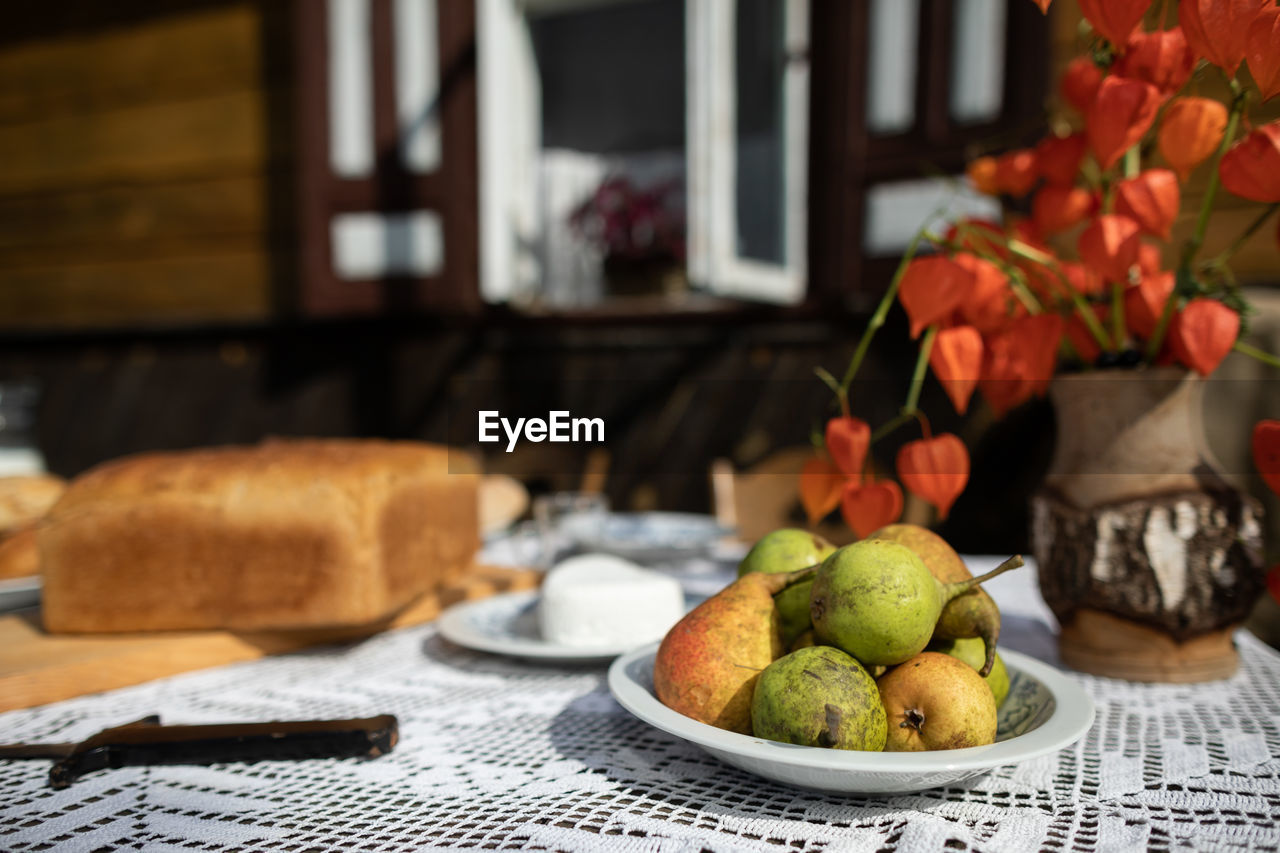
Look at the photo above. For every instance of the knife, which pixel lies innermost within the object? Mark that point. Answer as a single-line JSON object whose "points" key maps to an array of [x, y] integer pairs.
{"points": [[145, 742]]}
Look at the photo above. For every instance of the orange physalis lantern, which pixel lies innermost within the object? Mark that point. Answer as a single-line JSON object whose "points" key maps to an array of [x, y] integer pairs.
{"points": [[988, 306], [1190, 131], [1203, 333], [1080, 82], [1144, 303], [936, 469], [1056, 207], [931, 289], [866, 508], [1039, 336], [956, 359], [1266, 452], [1218, 29], [1059, 157], [1121, 113], [1251, 167], [1262, 50], [1016, 172], [1110, 246], [1019, 361], [1044, 5], [1025, 230], [847, 442], [1114, 20], [1161, 58], [820, 485], [982, 173], [1082, 278], [1151, 199]]}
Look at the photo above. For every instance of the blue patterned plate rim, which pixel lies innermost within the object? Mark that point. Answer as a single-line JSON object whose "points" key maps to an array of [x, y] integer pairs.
{"points": [[644, 531], [507, 624]]}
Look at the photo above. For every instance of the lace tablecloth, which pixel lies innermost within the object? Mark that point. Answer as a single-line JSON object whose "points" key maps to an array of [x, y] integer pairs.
{"points": [[499, 754]]}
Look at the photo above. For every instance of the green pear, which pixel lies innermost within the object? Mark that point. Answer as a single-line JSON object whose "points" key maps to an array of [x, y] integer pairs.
{"points": [[803, 641], [934, 701], [973, 614], [971, 650], [876, 600], [819, 696], [788, 550], [707, 664]]}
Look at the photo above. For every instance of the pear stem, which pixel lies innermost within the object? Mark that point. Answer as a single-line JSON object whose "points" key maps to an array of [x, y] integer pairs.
{"points": [[776, 583], [989, 649], [951, 590]]}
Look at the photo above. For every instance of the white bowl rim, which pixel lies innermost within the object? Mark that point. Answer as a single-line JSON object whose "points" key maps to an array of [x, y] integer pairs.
{"points": [[1072, 716]]}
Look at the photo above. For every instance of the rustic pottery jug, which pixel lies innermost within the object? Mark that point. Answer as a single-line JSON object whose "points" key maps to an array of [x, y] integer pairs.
{"points": [[1148, 557]]}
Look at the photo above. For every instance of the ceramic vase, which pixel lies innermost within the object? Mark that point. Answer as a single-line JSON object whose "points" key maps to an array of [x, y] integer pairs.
{"points": [[1146, 554]]}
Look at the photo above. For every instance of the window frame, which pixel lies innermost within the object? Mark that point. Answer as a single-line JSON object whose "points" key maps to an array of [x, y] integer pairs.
{"points": [[853, 159], [450, 191], [843, 162], [712, 153]]}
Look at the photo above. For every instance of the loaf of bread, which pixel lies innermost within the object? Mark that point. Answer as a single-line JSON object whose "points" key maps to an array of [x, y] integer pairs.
{"points": [[24, 500], [286, 534], [19, 557]]}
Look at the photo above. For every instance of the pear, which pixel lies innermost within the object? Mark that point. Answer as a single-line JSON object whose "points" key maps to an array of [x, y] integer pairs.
{"points": [[707, 664], [972, 614], [971, 651], [787, 550], [819, 696], [876, 600], [934, 701], [803, 641]]}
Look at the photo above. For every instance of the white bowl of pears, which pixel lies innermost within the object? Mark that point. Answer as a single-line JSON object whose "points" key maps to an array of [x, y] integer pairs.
{"points": [[867, 669]]}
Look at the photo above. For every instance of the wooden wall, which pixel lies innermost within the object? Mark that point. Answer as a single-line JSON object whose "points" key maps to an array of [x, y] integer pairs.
{"points": [[137, 154]]}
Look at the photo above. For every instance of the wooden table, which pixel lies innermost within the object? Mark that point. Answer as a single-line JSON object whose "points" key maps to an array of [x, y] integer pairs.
{"points": [[37, 667]]}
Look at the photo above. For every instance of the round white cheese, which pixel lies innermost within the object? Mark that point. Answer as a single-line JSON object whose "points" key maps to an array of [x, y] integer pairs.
{"points": [[603, 600]]}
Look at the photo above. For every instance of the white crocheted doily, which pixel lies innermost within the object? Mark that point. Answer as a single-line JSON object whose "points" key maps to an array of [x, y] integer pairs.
{"points": [[499, 754]]}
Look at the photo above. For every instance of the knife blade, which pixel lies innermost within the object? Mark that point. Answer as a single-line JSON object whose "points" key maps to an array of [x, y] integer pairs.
{"points": [[146, 742]]}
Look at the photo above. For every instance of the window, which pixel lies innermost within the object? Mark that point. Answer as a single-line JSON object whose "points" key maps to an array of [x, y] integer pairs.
{"points": [[562, 154], [386, 163], [631, 140]]}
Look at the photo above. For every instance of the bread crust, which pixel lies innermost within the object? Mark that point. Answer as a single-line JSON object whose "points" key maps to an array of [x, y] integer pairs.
{"points": [[19, 557], [24, 499], [300, 533]]}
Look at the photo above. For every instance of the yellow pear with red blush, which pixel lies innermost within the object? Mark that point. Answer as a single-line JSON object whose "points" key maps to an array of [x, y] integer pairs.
{"points": [[934, 701]]}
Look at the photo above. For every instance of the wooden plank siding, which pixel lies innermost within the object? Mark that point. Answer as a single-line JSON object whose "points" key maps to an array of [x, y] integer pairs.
{"points": [[195, 54], [106, 220], [139, 163]]}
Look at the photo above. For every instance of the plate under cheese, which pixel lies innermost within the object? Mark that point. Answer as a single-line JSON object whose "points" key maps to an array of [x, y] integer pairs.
{"points": [[603, 600]]}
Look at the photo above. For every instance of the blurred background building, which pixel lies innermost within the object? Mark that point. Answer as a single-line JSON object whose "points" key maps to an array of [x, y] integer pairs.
{"points": [[226, 220]]}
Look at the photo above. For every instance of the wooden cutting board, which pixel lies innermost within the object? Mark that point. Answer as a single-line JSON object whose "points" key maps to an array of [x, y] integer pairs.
{"points": [[36, 667]]}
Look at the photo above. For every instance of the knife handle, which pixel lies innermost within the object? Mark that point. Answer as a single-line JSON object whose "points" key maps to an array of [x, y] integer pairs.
{"points": [[137, 746]]}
